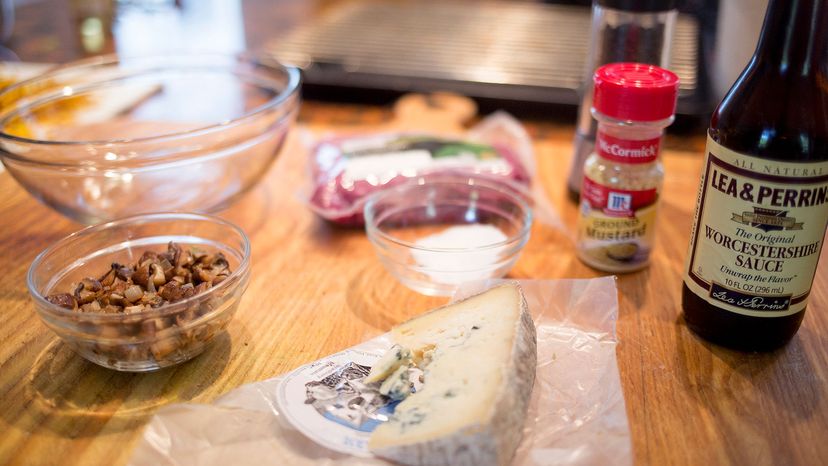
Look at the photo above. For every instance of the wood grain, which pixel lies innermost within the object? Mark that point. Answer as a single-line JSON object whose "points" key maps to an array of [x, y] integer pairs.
{"points": [[316, 289]]}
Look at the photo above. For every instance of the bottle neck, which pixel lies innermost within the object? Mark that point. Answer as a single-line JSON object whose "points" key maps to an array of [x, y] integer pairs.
{"points": [[794, 36]]}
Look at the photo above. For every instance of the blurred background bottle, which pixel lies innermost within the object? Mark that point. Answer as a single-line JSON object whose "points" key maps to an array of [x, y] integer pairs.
{"points": [[622, 31]]}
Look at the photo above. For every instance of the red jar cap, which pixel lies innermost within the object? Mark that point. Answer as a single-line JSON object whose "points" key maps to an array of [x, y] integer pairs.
{"points": [[635, 91]]}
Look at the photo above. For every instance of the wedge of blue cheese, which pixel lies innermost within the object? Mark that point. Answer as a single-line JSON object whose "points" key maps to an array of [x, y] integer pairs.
{"points": [[478, 358]]}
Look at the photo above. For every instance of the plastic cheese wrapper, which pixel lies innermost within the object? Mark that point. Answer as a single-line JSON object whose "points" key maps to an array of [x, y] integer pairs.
{"points": [[576, 413], [345, 170]]}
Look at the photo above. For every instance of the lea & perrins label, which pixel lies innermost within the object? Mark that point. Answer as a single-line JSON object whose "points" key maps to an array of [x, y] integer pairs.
{"points": [[758, 232]]}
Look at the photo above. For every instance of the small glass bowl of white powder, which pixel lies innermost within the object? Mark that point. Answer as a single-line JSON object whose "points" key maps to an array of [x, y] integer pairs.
{"points": [[435, 232]]}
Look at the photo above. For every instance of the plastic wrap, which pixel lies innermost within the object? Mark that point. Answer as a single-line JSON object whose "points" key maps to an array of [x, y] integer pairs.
{"points": [[345, 170], [576, 414]]}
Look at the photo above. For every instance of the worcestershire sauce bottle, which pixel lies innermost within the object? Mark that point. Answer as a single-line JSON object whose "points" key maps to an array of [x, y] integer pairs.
{"points": [[763, 200]]}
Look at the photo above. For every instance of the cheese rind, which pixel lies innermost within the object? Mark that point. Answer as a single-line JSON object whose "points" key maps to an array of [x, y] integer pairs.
{"points": [[477, 383]]}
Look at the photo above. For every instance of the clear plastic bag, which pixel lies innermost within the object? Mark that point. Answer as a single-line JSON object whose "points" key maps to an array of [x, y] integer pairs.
{"points": [[576, 414], [345, 170]]}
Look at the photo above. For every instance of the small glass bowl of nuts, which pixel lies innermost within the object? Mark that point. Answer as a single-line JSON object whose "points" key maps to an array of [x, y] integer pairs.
{"points": [[143, 292]]}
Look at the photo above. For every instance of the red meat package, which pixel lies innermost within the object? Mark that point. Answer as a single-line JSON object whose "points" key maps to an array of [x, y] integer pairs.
{"points": [[345, 170]]}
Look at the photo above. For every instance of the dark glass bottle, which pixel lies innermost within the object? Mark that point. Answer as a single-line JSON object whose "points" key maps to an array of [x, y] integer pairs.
{"points": [[761, 212]]}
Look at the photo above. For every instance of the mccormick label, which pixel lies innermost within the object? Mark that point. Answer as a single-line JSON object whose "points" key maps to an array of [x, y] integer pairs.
{"points": [[627, 151], [616, 226], [758, 232], [616, 202]]}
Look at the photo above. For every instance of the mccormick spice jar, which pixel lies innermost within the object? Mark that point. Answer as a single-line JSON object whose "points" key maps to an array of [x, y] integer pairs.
{"points": [[632, 103]]}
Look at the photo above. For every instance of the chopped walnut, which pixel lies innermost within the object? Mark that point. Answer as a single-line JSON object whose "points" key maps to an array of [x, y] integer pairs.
{"points": [[154, 280], [64, 300]]}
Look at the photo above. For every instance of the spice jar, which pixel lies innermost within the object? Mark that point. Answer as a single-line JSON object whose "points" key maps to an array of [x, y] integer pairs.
{"points": [[638, 31], [632, 103]]}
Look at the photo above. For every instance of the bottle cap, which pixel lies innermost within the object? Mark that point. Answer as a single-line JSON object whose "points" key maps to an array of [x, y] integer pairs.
{"points": [[635, 91]]}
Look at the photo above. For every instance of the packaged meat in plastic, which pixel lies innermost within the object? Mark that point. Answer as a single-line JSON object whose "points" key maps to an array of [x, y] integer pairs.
{"points": [[346, 169]]}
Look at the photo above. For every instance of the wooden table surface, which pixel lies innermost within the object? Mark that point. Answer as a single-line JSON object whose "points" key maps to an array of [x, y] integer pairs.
{"points": [[316, 289]]}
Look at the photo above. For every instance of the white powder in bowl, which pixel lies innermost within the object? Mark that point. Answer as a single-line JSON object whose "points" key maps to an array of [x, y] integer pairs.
{"points": [[447, 268]]}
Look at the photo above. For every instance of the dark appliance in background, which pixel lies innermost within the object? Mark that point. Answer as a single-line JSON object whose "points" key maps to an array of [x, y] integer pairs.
{"points": [[526, 57]]}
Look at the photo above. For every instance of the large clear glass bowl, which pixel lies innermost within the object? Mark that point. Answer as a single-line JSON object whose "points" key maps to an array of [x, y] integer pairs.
{"points": [[436, 232], [109, 137], [147, 340]]}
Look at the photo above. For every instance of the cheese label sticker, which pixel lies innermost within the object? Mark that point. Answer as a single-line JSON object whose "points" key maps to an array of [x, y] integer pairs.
{"points": [[327, 401], [758, 232]]}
